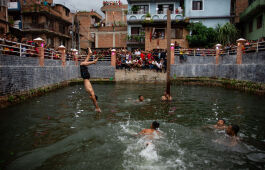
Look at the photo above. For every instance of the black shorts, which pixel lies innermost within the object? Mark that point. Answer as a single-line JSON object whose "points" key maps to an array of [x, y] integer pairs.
{"points": [[84, 72]]}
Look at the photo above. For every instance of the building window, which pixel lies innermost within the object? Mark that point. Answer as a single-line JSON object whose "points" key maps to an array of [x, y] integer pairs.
{"points": [[250, 26], [197, 5], [140, 9], [259, 22], [162, 9], [66, 12], [135, 31], [158, 33], [34, 19], [179, 33]]}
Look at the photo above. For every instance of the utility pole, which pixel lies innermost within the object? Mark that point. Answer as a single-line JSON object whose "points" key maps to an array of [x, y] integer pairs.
{"points": [[168, 49]]}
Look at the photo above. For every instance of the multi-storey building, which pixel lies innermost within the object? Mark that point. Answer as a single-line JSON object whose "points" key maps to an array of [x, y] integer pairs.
{"points": [[42, 18], [147, 21], [88, 20], [4, 28], [252, 20], [209, 12], [112, 32]]}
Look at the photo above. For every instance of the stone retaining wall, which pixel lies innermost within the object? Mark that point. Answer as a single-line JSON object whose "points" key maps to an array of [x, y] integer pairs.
{"points": [[252, 69], [18, 74]]}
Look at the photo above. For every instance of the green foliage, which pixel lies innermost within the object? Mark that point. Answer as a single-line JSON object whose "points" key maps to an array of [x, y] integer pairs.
{"points": [[148, 15], [227, 34], [11, 99], [201, 36], [135, 8]]}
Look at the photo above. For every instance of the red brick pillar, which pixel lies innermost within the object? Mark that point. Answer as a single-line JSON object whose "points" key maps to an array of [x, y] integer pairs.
{"points": [[218, 48], [40, 43], [113, 58], [172, 48], [62, 51], [240, 43]]}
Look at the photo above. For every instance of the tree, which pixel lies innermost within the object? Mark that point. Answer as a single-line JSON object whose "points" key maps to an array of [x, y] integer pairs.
{"points": [[201, 36], [227, 34]]}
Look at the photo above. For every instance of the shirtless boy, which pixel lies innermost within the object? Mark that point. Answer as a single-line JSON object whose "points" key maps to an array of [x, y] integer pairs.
{"points": [[86, 76]]}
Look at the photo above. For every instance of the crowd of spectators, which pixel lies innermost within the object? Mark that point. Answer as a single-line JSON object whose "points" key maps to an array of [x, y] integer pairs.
{"points": [[137, 59]]}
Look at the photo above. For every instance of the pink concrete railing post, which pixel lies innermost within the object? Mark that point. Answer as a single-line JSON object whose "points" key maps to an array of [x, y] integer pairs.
{"points": [[61, 49], [218, 48], [240, 44], [172, 48], [40, 43], [113, 58], [75, 56]]}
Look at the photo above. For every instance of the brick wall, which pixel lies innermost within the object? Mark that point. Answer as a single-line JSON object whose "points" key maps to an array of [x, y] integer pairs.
{"points": [[241, 5], [19, 74], [162, 43]]}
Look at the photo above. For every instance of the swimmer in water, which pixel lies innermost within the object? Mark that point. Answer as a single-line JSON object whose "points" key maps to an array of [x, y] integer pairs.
{"points": [[232, 131], [150, 132], [166, 97], [152, 129], [86, 76], [140, 98], [220, 124]]}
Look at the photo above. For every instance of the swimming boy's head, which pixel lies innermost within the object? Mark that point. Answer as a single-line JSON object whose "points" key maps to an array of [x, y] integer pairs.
{"points": [[95, 97], [220, 122], [232, 130], [141, 98], [155, 125]]}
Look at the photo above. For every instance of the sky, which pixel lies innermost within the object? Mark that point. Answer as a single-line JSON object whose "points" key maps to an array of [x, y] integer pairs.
{"points": [[81, 5]]}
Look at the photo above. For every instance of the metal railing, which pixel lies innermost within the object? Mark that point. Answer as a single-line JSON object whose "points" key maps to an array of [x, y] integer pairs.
{"points": [[196, 52], [19, 49]]}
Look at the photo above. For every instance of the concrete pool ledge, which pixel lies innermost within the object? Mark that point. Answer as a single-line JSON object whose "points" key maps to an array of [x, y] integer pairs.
{"points": [[245, 86]]}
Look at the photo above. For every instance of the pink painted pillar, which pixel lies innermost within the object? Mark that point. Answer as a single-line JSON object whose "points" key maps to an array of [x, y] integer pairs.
{"points": [[113, 58], [62, 51], [172, 48], [40, 42], [240, 43], [218, 48]]}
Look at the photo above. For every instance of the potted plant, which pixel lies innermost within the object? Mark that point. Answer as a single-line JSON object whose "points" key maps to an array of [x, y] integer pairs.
{"points": [[135, 9], [148, 16]]}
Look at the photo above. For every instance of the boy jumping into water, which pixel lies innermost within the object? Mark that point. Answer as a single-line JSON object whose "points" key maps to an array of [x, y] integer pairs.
{"points": [[86, 76]]}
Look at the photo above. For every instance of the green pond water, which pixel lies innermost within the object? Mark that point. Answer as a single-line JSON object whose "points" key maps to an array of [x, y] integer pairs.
{"points": [[60, 130]]}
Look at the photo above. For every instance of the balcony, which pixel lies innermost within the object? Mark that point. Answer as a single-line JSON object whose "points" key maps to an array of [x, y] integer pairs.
{"points": [[160, 16], [44, 27], [14, 6], [136, 39]]}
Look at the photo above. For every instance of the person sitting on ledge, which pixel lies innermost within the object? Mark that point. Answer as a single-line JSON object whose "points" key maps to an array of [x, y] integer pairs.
{"points": [[86, 76], [166, 97], [220, 124]]}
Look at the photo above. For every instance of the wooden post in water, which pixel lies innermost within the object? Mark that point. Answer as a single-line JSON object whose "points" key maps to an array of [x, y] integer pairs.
{"points": [[168, 49]]}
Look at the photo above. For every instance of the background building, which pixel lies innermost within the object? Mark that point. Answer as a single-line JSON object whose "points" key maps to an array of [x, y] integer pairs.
{"points": [[147, 21], [4, 28], [47, 20], [112, 33], [209, 12], [252, 20], [88, 20]]}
